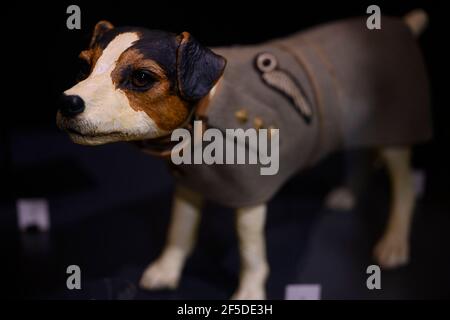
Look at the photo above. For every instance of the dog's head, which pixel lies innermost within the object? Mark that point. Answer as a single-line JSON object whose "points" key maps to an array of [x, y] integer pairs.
{"points": [[137, 84]]}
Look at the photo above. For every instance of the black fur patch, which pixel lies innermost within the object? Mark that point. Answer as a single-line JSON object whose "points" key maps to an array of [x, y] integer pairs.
{"points": [[191, 68], [198, 69], [161, 47]]}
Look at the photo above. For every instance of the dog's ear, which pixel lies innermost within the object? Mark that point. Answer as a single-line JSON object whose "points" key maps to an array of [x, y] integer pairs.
{"points": [[100, 29], [198, 68]]}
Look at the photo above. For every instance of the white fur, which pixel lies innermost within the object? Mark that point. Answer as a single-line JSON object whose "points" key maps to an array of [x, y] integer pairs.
{"points": [[250, 223], [108, 115]]}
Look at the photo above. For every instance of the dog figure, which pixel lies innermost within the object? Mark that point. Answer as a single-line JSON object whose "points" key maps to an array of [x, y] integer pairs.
{"points": [[332, 87]]}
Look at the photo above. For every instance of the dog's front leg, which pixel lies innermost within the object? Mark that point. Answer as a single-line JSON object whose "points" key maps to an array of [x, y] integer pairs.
{"points": [[250, 222], [164, 273]]}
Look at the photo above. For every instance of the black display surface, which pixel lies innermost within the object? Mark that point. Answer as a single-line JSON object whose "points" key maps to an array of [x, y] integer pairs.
{"points": [[109, 206]]}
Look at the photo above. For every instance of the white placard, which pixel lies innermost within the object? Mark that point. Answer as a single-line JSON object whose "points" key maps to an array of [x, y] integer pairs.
{"points": [[33, 213]]}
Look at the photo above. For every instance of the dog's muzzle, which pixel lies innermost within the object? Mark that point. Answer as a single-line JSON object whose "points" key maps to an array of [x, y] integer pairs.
{"points": [[70, 106]]}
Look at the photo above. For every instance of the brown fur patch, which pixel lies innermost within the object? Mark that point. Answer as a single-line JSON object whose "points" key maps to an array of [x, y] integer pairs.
{"points": [[162, 105], [91, 56], [94, 52], [100, 29], [133, 58]]}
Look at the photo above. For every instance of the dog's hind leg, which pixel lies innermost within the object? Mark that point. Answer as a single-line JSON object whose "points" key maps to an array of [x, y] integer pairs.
{"points": [[250, 223], [358, 164], [164, 273], [392, 250]]}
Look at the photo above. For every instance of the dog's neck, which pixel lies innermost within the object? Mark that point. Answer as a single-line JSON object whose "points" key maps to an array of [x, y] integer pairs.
{"points": [[162, 146]]}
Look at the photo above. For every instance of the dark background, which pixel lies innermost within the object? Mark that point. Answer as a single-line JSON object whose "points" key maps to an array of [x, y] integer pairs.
{"points": [[109, 204], [41, 53]]}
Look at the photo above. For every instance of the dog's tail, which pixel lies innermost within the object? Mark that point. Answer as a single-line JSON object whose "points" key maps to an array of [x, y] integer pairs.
{"points": [[417, 21]]}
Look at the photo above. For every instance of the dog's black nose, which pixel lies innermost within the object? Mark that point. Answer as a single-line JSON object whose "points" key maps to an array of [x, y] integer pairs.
{"points": [[70, 106]]}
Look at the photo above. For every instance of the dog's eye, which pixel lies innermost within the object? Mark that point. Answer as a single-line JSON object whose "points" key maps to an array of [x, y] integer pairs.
{"points": [[142, 78]]}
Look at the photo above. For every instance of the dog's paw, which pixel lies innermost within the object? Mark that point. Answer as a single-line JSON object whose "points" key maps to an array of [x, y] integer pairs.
{"points": [[160, 275], [341, 198], [392, 251], [249, 293]]}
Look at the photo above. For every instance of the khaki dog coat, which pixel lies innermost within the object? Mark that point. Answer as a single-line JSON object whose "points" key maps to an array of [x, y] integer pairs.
{"points": [[365, 88]]}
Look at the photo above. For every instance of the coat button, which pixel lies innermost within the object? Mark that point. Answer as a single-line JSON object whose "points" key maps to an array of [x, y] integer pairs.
{"points": [[258, 123], [241, 115]]}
